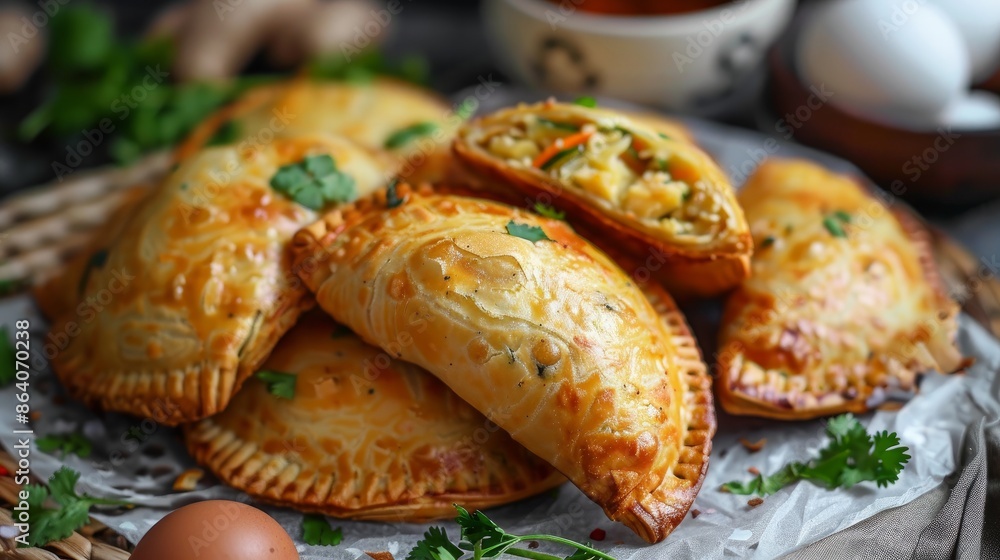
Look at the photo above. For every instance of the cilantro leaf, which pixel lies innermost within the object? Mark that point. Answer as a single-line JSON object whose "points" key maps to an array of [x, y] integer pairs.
{"points": [[408, 134], [71, 442], [435, 546], [316, 531], [524, 231], [549, 211], [52, 524], [227, 133], [392, 198], [8, 373], [279, 384], [833, 226], [842, 216], [585, 101], [314, 182], [96, 260], [486, 539], [852, 456]]}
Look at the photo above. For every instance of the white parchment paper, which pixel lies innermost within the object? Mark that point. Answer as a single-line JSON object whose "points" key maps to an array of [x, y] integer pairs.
{"points": [[137, 460]]}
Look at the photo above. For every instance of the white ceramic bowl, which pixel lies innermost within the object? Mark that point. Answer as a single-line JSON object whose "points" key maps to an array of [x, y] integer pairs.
{"points": [[682, 62]]}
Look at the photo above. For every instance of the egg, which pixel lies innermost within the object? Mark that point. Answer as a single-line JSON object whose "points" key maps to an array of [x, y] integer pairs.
{"points": [[885, 61], [979, 23], [980, 110], [216, 530]]}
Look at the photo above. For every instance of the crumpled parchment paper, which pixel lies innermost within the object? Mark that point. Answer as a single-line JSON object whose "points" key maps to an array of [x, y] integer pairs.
{"points": [[138, 460]]}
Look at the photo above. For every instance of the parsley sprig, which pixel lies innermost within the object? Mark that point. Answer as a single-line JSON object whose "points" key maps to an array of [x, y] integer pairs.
{"points": [[549, 211], [316, 531], [53, 524], [485, 539], [314, 182], [279, 384], [525, 231], [68, 443], [852, 456]]}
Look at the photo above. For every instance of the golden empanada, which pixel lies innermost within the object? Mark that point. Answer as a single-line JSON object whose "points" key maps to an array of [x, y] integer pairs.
{"points": [[365, 436], [413, 124], [633, 188], [843, 302], [197, 287], [535, 328]]}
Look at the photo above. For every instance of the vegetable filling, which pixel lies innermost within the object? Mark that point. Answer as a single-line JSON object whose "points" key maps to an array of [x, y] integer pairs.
{"points": [[637, 177]]}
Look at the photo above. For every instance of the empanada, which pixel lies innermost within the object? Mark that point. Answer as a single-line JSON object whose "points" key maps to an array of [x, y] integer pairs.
{"points": [[197, 287], [843, 302], [416, 126], [634, 188], [535, 328], [365, 436]]}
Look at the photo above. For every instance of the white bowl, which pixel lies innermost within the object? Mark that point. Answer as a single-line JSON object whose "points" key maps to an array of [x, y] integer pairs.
{"points": [[682, 62]]}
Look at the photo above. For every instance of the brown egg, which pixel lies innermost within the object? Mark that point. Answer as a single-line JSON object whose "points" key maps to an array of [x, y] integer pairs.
{"points": [[216, 530]]}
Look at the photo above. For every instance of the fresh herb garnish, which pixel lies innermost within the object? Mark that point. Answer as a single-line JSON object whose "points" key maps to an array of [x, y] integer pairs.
{"points": [[96, 260], [485, 539], [851, 456], [664, 136], [8, 372], [97, 80], [279, 384], [662, 164], [842, 216], [68, 443], [406, 135], [227, 133], [585, 101], [53, 524], [833, 226], [548, 211], [467, 108], [314, 182], [767, 242], [524, 231], [392, 198], [316, 531], [435, 546], [364, 66]]}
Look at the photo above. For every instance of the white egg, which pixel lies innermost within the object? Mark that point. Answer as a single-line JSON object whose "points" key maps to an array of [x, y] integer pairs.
{"points": [[980, 110], [979, 23], [884, 61]]}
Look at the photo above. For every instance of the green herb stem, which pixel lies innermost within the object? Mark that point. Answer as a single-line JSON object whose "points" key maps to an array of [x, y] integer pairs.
{"points": [[567, 542], [531, 554]]}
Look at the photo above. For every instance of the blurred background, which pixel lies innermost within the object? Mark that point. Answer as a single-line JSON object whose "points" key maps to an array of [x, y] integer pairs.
{"points": [[907, 90]]}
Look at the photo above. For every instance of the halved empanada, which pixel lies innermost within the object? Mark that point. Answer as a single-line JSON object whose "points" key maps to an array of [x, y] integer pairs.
{"points": [[196, 289], [365, 436], [415, 125], [844, 300], [636, 189], [535, 328]]}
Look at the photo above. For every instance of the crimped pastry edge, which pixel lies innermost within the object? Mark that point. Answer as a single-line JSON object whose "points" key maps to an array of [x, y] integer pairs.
{"points": [[731, 355]]}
